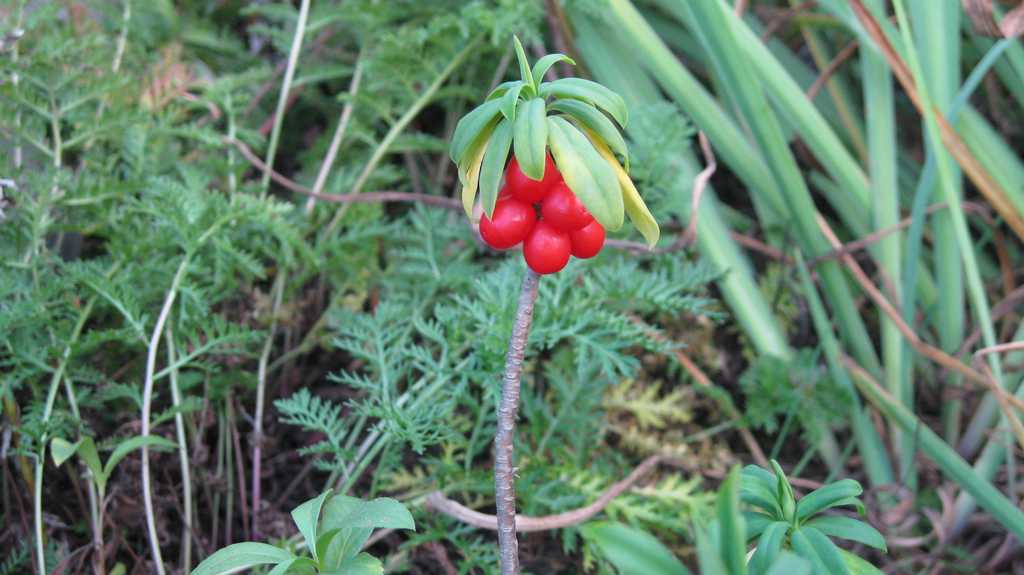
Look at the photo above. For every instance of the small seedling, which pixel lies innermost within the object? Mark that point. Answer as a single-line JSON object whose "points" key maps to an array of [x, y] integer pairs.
{"points": [[334, 529]]}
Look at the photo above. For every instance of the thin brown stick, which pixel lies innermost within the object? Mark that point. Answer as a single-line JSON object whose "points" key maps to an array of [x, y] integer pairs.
{"points": [[954, 144], [525, 524], [878, 235], [508, 411], [845, 54]]}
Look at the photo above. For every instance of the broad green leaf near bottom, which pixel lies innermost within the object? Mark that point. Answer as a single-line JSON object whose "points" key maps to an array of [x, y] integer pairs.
{"points": [[632, 551], [234, 558]]}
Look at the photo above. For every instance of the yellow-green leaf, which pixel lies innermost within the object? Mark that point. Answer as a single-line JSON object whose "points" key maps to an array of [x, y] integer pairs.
{"points": [[635, 206], [470, 177], [493, 166], [586, 173]]}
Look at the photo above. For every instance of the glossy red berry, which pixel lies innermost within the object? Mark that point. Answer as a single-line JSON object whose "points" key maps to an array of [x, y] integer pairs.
{"points": [[587, 241], [547, 248], [564, 210], [530, 191], [510, 223]]}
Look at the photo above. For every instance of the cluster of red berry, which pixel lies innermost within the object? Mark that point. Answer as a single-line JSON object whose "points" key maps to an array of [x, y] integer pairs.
{"points": [[564, 227]]}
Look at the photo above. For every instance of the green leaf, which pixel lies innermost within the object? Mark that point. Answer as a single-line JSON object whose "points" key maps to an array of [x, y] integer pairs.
{"points": [[632, 551], [531, 138], [595, 122], [805, 549], [854, 502], [129, 445], [756, 523], [61, 449], [286, 566], [789, 564], [493, 167], [501, 89], [784, 492], [590, 92], [362, 564], [848, 528], [586, 173], [541, 67], [307, 519], [241, 556], [827, 496], [348, 522], [827, 550], [768, 547], [633, 203], [470, 128], [87, 451], [759, 489], [469, 174], [708, 558], [732, 534], [509, 101], [858, 566], [524, 66]]}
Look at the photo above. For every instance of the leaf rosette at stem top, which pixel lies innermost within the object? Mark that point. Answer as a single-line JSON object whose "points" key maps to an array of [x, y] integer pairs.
{"points": [[578, 120]]}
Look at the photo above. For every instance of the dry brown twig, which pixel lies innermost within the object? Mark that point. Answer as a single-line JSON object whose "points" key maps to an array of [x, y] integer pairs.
{"points": [[845, 54], [525, 524]]}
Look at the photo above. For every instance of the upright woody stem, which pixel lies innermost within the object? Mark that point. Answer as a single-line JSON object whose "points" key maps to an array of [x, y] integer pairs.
{"points": [[508, 410]]}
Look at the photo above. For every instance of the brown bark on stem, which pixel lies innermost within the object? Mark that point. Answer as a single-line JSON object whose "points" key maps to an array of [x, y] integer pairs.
{"points": [[508, 409]]}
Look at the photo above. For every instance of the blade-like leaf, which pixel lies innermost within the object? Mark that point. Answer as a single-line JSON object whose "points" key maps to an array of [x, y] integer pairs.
{"points": [[380, 513], [470, 127], [732, 534], [595, 122], [631, 550], [61, 449], [827, 550], [541, 67], [287, 566], [784, 492], [524, 64], [590, 92], [531, 138], [758, 489], [493, 167], [633, 203], [469, 176], [129, 445], [708, 557], [87, 451], [848, 528], [805, 549], [509, 102], [827, 496], [586, 173], [501, 89], [307, 519], [241, 556], [858, 566], [362, 564], [789, 564], [768, 547], [756, 522]]}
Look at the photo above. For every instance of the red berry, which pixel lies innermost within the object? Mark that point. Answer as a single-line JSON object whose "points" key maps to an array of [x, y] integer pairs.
{"points": [[511, 222], [587, 241], [546, 249], [564, 210], [530, 191]]}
